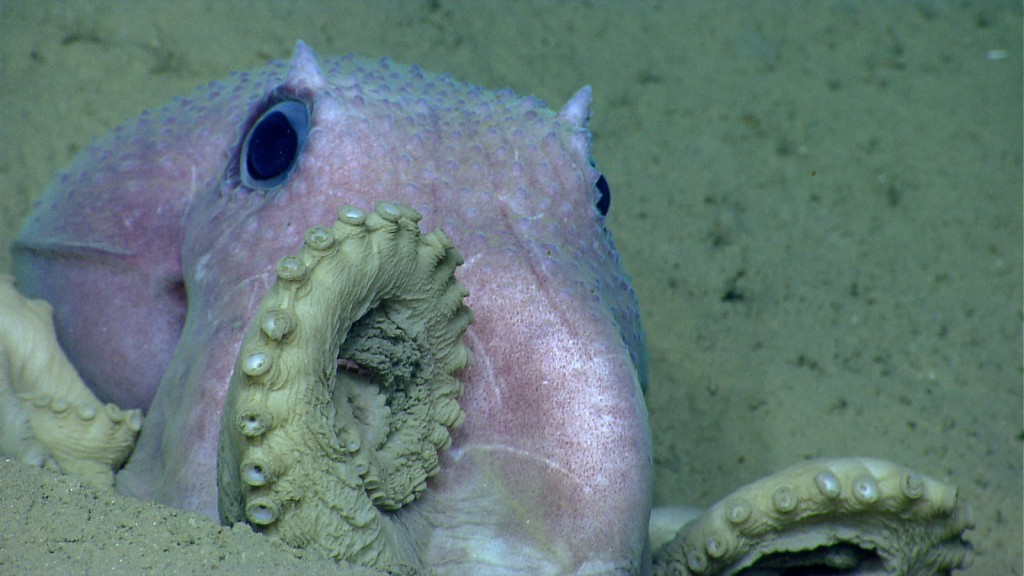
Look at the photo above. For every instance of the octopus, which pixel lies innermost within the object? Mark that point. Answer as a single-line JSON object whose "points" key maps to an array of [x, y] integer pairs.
{"points": [[375, 312]]}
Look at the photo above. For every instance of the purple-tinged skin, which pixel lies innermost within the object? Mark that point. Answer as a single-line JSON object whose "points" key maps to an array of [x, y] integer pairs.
{"points": [[155, 256]]}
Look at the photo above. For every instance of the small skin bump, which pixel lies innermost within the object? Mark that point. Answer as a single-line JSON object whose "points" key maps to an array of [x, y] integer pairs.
{"points": [[362, 467], [276, 324], [291, 269], [389, 212], [696, 561], [113, 413], [351, 215], [409, 213], [784, 499], [738, 512], [255, 474], [256, 364], [865, 489], [253, 425], [318, 238], [353, 444], [715, 547], [912, 485], [87, 412], [947, 500], [363, 517], [828, 484], [135, 421], [262, 511]]}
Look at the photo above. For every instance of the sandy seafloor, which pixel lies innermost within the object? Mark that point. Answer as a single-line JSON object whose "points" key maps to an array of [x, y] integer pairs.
{"points": [[819, 202]]}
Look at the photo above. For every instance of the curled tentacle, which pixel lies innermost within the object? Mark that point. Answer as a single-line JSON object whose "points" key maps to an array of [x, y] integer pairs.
{"points": [[48, 417], [849, 516], [345, 387]]}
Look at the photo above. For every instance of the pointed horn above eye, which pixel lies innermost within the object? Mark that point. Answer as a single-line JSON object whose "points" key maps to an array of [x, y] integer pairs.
{"points": [[304, 70], [577, 110]]}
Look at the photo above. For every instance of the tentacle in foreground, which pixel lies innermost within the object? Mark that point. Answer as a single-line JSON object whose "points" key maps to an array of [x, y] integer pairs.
{"points": [[345, 387], [48, 417], [843, 516]]}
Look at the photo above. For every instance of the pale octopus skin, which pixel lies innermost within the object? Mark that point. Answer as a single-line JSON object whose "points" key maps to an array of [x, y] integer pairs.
{"points": [[158, 246]]}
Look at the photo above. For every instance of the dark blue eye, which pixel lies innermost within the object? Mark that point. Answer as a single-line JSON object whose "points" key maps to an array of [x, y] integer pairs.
{"points": [[605, 201], [271, 148]]}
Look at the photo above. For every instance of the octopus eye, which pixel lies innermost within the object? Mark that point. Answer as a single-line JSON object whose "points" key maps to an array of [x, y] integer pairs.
{"points": [[605, 201], [273, 144]]}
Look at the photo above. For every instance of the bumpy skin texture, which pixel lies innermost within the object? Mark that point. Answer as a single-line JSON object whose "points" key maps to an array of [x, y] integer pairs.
{"points": [[155, 257]]}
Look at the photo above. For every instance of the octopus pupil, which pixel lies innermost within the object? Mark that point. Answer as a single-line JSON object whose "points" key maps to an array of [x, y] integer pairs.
{"points": [[272, 147]]}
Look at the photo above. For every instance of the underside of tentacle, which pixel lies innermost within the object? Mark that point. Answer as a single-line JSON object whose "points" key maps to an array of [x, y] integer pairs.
{"points": [[839, 516]]}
